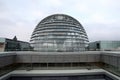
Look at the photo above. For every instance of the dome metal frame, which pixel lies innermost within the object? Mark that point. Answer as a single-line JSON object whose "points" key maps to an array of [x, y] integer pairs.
{"points": [[59, 33]]}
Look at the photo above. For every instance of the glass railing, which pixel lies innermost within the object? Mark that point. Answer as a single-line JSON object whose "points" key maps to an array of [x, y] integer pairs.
{"points": [[112, 69], [58, 66]]}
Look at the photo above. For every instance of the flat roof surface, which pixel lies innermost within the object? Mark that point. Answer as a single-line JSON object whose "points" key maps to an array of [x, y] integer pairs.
{"points": [[59, 73]]}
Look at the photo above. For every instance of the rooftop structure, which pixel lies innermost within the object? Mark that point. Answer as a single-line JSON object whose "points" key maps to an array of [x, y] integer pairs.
{"points": [[105, 46], [59, 33], [13, 45], [59, 42], [94, 65]]}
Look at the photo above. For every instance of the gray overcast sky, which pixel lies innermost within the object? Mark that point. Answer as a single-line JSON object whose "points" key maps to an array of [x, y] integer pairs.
{"points": [[100, 18]]}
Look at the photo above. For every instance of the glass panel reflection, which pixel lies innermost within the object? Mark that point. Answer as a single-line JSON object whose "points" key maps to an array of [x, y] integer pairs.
{"points": [[59, 34]]}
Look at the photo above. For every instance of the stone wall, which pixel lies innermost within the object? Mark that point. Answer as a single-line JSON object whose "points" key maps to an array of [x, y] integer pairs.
{"points": [[110, 58], [7, 59]]}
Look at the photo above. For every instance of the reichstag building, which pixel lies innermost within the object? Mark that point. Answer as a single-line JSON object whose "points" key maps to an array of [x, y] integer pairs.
{"points": [[59, 33], [59, 43]]}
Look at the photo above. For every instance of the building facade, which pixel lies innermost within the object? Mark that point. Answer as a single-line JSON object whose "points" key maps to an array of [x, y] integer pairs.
{"points": [[13, 45], [104, 45], [60, 40], [59, 33], [87, 65]]}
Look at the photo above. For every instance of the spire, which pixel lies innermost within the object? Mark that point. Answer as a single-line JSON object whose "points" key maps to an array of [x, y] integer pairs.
{"points": [[15, 38]]}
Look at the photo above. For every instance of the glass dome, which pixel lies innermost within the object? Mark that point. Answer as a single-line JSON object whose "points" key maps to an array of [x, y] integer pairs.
{"points": [[59, 33]]}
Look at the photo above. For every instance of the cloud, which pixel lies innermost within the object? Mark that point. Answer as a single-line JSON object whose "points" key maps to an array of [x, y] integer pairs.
{"points": [[54, 2], [98, 31], [100, 18]]}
